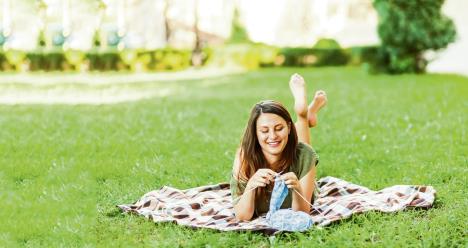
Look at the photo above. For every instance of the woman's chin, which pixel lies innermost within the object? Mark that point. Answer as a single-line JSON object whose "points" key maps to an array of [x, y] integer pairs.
{"points": [[273, 150]]}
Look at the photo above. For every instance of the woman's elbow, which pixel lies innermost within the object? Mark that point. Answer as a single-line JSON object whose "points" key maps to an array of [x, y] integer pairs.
{"points": [[241, 216]]}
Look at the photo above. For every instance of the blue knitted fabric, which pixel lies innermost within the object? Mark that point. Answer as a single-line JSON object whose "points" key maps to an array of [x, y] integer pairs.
{"points": [[285, 219]]}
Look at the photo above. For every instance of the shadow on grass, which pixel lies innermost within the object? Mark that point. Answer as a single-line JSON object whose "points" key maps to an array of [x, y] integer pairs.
{"points": [[113, 213], [438, 203]]}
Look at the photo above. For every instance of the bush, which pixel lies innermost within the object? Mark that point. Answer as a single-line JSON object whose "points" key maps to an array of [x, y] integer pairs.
{"points": [[55, 59], [96, 59], [316, 56], [165, 59], [15, 58], [327, 44], [237, 55], [267, 55], [4, 65], [75, 59], [406, 30], [363, 55], [105, 60]]}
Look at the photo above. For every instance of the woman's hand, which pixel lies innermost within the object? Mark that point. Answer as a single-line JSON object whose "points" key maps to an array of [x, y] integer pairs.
{"points": [[291, 181], [261, 178]]}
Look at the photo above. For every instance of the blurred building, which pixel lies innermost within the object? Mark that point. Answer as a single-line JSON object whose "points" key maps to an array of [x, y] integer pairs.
{"points": [[453, 58], [303, 22], [153, 24]]}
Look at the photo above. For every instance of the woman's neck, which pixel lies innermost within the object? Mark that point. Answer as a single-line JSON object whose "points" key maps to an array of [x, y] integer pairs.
{"points": [[272, 160]]}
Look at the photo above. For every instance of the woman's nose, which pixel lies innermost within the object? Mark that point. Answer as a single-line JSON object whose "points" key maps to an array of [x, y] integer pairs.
{"points": [[273, 134]]}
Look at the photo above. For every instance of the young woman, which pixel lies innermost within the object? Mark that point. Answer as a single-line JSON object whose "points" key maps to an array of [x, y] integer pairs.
{"points": [[273, 144]]}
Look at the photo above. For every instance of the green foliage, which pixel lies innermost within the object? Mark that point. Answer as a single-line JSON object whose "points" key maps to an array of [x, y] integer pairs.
{"points": [[409, 28], [165, 59], [363, 55], [268, 55], [105, 60], [57, 59], [46, 60], [41, 39], [238, 32], [75, 58], [246, 55], [173, 59], [139, 60], [327, 44], [236, 55], [97, 39], [15, 58], [297, 56], [4, 65], [314, 56]]}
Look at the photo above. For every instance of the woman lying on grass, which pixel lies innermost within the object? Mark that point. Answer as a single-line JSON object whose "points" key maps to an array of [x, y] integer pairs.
{"points": [[272, 144]]}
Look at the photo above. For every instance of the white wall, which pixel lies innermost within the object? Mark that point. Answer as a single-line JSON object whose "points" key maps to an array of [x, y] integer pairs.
{"points": [[453, 59]]}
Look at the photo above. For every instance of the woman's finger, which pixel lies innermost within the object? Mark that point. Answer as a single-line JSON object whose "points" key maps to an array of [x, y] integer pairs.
{"points": [[270, 172], [285, 176], [289, 176], [289, 182], [262, 173], [268, 177], [263, 180]]}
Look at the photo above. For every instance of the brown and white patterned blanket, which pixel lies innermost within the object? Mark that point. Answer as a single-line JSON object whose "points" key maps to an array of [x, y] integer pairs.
{"points": [[211, 206]]}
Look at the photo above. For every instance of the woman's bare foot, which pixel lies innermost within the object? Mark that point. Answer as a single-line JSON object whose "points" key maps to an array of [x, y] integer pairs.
{"points": [[320, 100], [297, 86]]}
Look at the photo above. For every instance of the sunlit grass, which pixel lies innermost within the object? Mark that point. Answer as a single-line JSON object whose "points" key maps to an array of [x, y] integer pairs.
{"points": [[64, 168]]}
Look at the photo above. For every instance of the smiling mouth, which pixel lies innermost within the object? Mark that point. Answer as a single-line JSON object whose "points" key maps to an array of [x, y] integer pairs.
{"points": [[274, 144]]}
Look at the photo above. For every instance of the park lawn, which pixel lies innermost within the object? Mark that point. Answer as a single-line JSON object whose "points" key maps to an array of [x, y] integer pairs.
{"points": [[65, 167]]}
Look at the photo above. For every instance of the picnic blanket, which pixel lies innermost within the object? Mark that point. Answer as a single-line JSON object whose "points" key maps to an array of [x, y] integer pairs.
{"points": [[211, 206]]}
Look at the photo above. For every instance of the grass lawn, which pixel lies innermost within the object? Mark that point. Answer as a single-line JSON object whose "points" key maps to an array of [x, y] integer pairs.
{"points": [[63, 168]]}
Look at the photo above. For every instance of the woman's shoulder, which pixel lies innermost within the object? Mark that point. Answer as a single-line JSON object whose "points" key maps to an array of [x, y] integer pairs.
{"points": [[306, 157], [304, 149]]}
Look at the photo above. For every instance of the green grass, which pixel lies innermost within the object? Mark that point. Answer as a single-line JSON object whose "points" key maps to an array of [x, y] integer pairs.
{"points": [[64, 168]]}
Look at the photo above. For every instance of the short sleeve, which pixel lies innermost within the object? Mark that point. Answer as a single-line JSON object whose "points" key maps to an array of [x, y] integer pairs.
{"points": [[235, 192], [307, 158]]}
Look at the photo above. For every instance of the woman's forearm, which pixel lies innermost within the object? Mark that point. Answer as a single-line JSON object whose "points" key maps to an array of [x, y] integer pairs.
{"points": [[298, 203], [245, 207]]}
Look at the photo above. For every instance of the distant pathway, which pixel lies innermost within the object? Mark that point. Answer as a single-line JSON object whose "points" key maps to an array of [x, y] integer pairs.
{"points": [[99, 88]]}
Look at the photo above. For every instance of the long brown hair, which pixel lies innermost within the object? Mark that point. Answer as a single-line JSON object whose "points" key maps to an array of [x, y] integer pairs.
{"points": [[251, 155]]}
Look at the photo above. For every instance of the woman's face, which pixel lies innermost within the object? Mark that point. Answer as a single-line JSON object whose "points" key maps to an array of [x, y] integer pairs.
{"points": [[272, 133]]}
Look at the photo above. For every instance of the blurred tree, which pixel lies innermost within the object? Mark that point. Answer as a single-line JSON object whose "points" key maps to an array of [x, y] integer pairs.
{"points": [[407, 29], [97, 40], [197, 52], [238, 32], [42, 9], [167, 24]]}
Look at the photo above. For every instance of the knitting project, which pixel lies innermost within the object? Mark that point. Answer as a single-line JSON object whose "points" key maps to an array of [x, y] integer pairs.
{"points": [[285, 219]]}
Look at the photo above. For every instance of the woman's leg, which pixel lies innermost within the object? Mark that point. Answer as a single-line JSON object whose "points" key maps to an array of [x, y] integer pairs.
{"points": [[298, 89], [320, 100], [306, 116]]}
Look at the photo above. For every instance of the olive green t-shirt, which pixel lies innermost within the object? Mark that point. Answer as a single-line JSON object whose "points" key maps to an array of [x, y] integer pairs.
{"points": [[306, 159]]}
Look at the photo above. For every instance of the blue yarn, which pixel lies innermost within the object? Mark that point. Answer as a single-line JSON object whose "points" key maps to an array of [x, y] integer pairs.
{"points": [[285, 219]]}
